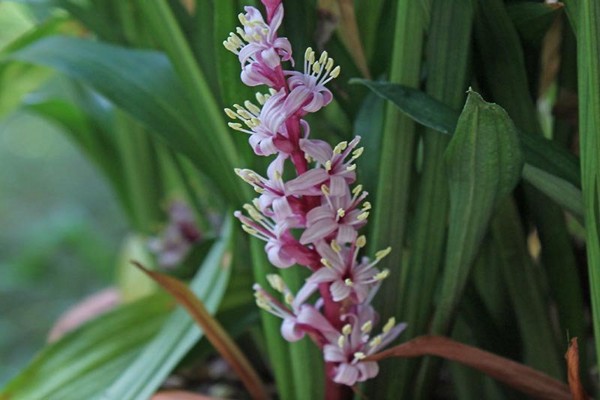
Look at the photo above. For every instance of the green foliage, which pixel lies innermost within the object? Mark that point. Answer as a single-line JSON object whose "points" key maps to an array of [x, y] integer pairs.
{"points": [[463, 198]]}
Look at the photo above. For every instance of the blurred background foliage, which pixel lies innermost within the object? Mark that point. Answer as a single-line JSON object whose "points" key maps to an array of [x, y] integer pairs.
{"points": [[62, 226]]}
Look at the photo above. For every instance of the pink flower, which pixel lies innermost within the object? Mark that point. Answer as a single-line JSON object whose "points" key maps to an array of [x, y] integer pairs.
{"points": [[307, 89], [298, 318], [338, 217], [354, 344], [259, 49], [337, 163], [348, 277]]}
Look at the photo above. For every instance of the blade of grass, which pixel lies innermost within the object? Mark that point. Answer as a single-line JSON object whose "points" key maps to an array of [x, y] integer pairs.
{"points": [[588, 72], [143, 376], [213, 330], [393, 184], [447, 55], [216, 136]]}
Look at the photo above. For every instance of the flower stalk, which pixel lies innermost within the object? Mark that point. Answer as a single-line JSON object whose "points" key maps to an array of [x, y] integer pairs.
{"points": [[314, 218]]}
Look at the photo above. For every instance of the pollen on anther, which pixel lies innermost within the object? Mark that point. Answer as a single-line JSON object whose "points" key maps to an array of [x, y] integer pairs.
{"points": [[347, 329], [389, 325]]}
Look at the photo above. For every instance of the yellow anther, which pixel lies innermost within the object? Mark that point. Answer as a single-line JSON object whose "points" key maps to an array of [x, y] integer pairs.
{"points": [[389, 325], [341, 213], [362, 216], [341, 341], [323, 58], [367, 326], [328, 165], [357, 153], [359, 355], [382, 275], [243, 19], [361, 241], [311, 57], [289, 298], [340, 147], [235, 125], [336, 72], [325, 189], [316, 67], [376, 341], [347, 329], [357, 190], [335, 246], [326, 263], [383, 253], [307, 53], [230, 113], [351, 167], [348, 282], [260, 98], [249, 230], [366, 206], [251, 107], [276, 282], [329, 65]]}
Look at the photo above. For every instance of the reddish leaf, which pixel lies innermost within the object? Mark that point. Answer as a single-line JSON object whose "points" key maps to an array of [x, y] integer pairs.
{"points": [[572, 357], [214, 332], [518, 376], [180, 395]]}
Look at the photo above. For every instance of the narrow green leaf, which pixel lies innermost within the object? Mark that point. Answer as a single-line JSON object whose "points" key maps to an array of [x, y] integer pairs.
{"points": [[85, 361], [527, 298], [144, 85], [538, 151], [179, 334], [532, 20], [213, 330], [588, 75], [484, 163], [388, 225]]}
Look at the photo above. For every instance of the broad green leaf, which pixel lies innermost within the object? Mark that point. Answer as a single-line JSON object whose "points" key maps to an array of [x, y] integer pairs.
{"points": [[85, 361], [484, 163], [538, 151], [144, 85], [179, 333]]}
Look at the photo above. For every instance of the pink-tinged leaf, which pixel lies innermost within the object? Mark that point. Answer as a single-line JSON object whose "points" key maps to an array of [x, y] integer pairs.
{"points": [[213, 330], [572, 357], [180, 395], [512, 373]]}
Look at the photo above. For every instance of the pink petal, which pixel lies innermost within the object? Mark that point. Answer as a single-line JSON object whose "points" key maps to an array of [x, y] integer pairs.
{"points": [[309, 183], [290, 331], [346, 374], [367, 370], [337, 185], [333, 353], [317, 149], [324, 275], [339, 290], [319, 230], [346, 234]]}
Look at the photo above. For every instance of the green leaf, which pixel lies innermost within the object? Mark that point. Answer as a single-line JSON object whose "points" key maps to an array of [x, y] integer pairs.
{"points": [[532, 20], [179, 334], [538, 152], [144, 84], [484, 163], [85, 361]]}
